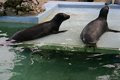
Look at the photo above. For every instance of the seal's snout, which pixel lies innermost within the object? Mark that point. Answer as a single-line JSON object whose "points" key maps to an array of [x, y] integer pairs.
{"points": [[64, 15], [104, 11], [106, 7], [67, 16], [61, 17]]}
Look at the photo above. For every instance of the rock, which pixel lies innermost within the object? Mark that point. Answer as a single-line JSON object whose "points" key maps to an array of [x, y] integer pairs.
{"points": [[10, 11], [12, 3], [21, 13], [1, 9], [22, 7], [30, 8]]}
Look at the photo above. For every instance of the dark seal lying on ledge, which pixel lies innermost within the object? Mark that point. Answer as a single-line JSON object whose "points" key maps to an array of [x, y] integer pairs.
{"points": [[40, 30]]}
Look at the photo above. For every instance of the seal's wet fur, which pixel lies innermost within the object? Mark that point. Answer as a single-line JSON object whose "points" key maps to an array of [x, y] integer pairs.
{"points": [[96, 28], [40, 30]]}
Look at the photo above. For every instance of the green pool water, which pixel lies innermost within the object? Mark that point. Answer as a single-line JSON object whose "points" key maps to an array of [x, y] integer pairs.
{"points": [[19, 63]]}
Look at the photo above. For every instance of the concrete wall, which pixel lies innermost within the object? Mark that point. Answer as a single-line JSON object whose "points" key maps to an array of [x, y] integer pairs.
{"points": [[81, 0], [66, 0], [101, 0]]}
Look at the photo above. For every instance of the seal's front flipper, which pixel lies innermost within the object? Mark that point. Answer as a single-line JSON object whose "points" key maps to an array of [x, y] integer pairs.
{"points": [[56, 32], [116, 31], [62, 31]]}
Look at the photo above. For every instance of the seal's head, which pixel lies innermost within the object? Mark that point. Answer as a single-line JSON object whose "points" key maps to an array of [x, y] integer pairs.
{"points": [[60, 17], [104, 12]]}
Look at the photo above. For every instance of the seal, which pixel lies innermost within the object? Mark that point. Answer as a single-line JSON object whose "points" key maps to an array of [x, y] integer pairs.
{"points": [[40, 30], [90, 0], [108, 2], [117, 2], [112, 2], [96, 28]]}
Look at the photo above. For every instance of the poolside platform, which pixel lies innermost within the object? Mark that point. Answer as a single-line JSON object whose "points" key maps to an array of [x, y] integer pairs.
{"points": [[81, 13]]}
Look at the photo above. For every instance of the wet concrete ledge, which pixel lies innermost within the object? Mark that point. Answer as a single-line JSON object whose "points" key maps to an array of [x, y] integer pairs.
{"points": [[57, 42], [50, 7]]}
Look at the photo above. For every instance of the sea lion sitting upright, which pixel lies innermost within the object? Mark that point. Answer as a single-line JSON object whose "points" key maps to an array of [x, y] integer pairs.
{"points": [[108, 2], [112, 2], [117, 2], [40, 30], [96, 28]]}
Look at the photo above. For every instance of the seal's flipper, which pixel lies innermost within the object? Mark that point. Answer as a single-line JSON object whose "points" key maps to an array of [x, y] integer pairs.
{"points": [[56, 32], [116, 31], [8, 39]]}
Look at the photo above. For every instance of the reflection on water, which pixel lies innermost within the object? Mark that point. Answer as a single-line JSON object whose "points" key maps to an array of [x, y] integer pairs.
{"points": [[22, 64], [6, 63]]}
